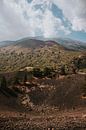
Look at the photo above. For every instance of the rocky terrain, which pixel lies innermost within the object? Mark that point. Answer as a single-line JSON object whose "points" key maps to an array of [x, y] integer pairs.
{"points": [[44, 103], [42, 85], [57, 120]]}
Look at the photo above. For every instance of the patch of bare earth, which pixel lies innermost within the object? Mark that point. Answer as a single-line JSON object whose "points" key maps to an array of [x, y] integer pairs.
{"points": [[42, 120]]}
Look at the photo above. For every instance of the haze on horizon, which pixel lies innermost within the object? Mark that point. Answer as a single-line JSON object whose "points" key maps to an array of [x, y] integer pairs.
{"points": [[46, 18]]}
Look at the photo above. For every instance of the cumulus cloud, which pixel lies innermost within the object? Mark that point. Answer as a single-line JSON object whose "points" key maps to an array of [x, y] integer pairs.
{"points": [[52, 25], [75, 12], [22, 18]]}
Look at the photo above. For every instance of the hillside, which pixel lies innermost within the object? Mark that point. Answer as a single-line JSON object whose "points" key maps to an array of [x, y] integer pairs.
{"points": [[71, 44], [25, 44], [35, 53], [33, 42], [68, 43], [42, 85], [63, 91], [43, 103]]}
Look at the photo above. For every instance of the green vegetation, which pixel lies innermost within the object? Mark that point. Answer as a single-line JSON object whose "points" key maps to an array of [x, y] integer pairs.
{"points": [[3, 82], [47, 56]]}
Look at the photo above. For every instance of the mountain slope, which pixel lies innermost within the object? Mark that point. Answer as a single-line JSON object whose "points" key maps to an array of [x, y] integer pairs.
{"points": [[35, 53], [68, 43], [71, 44], [6, 43], [25, 45], [40, 41]]}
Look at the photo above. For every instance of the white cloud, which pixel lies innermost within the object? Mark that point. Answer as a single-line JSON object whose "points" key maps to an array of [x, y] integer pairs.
{"points": [[75, 12], [18, 18]]}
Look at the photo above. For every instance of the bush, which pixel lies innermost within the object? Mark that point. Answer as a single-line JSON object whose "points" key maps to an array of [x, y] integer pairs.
{"points": [[49, 72], [3, 82], [62, 70], [37, 72]]}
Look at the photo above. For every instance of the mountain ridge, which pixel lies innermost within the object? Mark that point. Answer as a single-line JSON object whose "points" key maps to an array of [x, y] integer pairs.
{"points": [[37, 42]]}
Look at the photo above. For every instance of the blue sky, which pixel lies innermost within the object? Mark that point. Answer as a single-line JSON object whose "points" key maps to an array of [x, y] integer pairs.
{"points": [[47, 18]]}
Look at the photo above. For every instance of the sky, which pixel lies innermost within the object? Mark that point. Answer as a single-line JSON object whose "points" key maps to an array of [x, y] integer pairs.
{"points": [[46, 18]]}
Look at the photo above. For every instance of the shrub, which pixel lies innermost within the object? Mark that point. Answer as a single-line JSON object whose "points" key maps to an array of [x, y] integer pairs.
{"points": [[3, 82], [37, 72]]}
